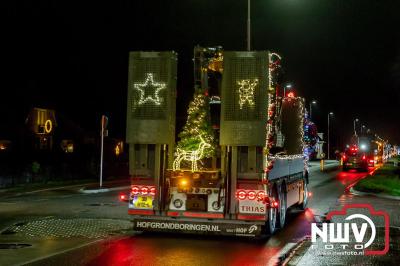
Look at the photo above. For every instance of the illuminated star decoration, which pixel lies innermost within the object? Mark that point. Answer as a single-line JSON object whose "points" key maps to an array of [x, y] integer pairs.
{"points": [[246, 92], [148, 85]]}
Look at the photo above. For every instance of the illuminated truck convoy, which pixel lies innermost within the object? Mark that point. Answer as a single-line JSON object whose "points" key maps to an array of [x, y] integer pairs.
{"points": [[237, 164]]}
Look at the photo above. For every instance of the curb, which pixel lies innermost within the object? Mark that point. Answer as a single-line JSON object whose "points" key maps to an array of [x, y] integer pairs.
{"points": [[50, 189], [102, 190], [17, 194], [380, 195], [295, 253]]}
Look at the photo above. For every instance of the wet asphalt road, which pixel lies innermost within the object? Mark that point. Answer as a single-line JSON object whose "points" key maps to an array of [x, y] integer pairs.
{"points": [[161, 249]]}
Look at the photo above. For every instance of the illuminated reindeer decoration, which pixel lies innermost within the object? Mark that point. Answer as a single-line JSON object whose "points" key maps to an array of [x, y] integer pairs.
{"points": [[192, 156]]}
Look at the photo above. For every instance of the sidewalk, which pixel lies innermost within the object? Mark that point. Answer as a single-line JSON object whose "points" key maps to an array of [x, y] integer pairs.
{"points": [[107, 186]]}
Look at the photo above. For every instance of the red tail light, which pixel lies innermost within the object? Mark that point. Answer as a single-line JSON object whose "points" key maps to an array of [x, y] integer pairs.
{"points": [[344, 157], [275, 204], [241, 194], [261, 195], [290, 94], [364, 157], [251, 195], [122, 197], [135, 190], [144, 190]]}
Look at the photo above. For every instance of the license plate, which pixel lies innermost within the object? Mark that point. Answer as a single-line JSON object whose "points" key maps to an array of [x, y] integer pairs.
{"points": [[141, 202]]}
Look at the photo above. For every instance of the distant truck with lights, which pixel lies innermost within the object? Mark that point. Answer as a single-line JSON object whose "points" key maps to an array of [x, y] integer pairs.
{"points": [[259, 170]]}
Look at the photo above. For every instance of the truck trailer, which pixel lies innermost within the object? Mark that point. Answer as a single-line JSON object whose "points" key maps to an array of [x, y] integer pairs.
{"points": [[258, 169]]}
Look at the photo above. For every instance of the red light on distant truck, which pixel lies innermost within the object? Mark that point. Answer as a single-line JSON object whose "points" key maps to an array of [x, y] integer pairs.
{"points": [[290, 94], [364, 157], [122, 197], [275, 204]]}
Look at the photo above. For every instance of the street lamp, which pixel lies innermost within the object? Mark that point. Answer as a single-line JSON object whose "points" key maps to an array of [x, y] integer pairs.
{"points": [[363, 126], [287, 86], [354, 125], [329, 115], [311, 103]]}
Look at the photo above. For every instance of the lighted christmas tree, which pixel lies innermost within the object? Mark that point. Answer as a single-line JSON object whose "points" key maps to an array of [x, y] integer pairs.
{"points": [[310, 137], [198, 127]]}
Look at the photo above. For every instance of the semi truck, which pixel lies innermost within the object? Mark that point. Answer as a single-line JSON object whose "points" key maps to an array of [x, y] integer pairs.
{"points": [[259, 169]]}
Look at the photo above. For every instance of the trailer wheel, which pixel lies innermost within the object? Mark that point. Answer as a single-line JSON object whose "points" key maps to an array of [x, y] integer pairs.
{"points": [[282, 205], [270, 224], [303, 205]]}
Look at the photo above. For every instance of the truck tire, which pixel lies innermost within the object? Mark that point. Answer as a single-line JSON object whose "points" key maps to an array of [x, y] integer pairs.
{"points": [[270, 224], [282, 205], [303, 205]]}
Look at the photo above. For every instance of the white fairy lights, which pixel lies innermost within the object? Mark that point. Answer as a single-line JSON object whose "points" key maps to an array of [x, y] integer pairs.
{"points": [[192, 156], [271, 109], [246, 92], [286, 157], [149, 85]]}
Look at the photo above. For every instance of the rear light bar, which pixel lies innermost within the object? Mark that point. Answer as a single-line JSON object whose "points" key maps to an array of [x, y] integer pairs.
{"points": [[242, 194], [143, 190]]}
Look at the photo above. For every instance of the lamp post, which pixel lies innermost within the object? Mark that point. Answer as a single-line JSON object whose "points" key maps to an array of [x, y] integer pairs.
{"points": [[248, 25], [311, 103], [329, 115], [354, 125], [362, 127], [287, 86]]}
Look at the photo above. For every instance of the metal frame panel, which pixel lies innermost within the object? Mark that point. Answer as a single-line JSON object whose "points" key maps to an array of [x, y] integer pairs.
{"points": [[244, 124], [149, 122]]}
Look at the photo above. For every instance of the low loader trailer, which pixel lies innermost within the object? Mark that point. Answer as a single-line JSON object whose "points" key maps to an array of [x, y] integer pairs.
{"points": [[259, 170]]}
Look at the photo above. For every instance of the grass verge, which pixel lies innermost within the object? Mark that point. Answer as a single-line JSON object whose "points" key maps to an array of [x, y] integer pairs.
{"points": [[385, 180]]}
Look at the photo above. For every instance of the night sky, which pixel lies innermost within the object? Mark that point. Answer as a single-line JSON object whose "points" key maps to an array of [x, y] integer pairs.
{"points": [[73, 57]]}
